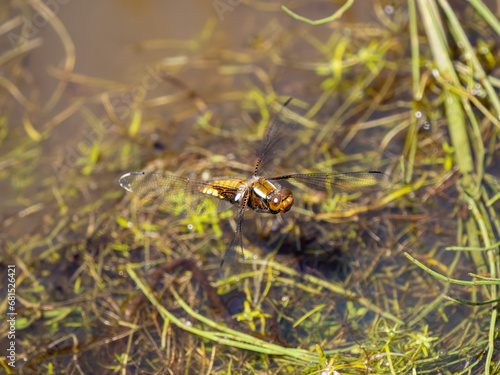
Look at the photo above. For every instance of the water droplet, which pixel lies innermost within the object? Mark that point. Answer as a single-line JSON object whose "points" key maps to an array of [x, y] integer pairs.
{"points": [[418, 114], [190, 226], [389, 9], [130, 224]]}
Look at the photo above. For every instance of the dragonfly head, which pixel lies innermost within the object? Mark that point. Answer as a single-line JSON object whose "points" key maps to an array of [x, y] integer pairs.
{"points": [[280, 201]]}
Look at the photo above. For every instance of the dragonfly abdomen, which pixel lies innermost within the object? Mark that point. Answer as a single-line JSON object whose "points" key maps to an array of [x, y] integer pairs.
{"points": [[223, 189]]}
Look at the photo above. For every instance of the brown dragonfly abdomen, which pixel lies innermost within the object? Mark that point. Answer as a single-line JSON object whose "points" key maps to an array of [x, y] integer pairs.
{"points": [[224, 189]]}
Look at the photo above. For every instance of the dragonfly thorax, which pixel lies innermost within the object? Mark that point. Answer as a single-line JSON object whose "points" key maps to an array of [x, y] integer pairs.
{"points": [[266, 197]]}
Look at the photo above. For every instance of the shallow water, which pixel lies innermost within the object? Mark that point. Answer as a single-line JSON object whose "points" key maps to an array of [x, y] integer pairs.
{"points": [[176, 87]]}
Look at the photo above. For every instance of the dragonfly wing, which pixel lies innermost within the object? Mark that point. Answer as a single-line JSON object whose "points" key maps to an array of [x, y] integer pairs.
{"points": [[342, 181], [234, 257], [179, 194], [276, 141]]}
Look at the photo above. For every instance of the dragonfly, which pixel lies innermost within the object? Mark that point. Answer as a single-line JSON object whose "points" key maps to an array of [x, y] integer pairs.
{"points": [[260, 193]]}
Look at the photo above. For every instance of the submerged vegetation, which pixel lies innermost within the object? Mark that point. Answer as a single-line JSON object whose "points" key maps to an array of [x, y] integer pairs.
{"points": [[401, 281]]}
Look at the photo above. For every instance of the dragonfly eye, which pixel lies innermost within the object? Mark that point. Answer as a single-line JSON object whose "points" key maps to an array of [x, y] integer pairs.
{"points": [[286, 200], [274, 202], [280, 201]]}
